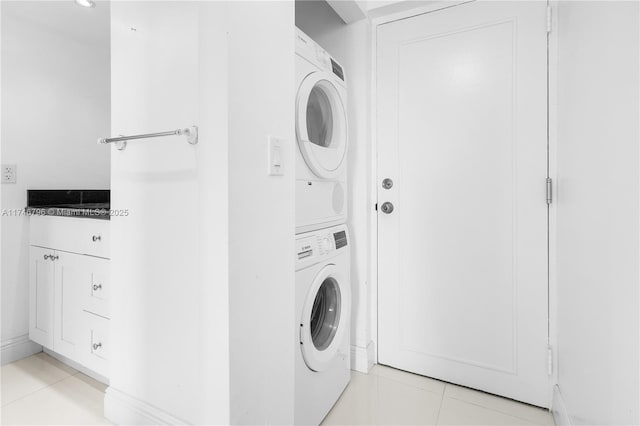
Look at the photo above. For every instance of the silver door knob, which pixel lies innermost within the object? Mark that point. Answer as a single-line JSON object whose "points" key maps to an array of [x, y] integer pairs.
{"points": [[387, 207], [387, 183]]}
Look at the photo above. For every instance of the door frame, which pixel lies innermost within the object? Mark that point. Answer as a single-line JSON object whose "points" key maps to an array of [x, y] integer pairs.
{"points": [[552, 96]]}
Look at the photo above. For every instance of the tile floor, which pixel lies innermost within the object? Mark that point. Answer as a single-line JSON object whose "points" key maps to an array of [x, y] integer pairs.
{"points": [[41, 390], [393, 397]]}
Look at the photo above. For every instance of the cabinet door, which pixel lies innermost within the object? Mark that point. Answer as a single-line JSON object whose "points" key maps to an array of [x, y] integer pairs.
{"points": [[72, 274], [41, 289]]}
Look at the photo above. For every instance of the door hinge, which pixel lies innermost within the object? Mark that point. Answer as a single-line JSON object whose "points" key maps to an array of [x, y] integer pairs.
{"points": [[549, 360], [548, 18], [549, 190]]}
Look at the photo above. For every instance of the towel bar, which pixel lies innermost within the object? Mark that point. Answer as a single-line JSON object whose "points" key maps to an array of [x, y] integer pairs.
{"points": [[190, 132]]}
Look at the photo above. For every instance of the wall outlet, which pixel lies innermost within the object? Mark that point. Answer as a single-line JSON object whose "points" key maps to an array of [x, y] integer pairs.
{"points": [[9, 173]]}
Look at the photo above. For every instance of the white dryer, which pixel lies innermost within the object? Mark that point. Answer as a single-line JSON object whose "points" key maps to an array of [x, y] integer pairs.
{"points": [[323, 309], [322, 135]]}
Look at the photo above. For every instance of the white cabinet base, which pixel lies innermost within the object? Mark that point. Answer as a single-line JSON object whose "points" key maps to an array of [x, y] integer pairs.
{"points": [[69, 281]]}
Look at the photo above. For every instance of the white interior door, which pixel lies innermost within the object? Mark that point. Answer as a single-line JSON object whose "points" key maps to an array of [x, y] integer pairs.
{"points": [[462, 119]]}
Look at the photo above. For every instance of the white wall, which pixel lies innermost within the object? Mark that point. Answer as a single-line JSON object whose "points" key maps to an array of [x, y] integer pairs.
{"points": [[350, 45], [597, 211], [55, 105], [261, 213], [203, 294], [169, 299], [375, 4]]}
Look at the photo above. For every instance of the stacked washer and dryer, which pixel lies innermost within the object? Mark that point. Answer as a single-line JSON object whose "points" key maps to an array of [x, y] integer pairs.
{"points": [[323, 287]]}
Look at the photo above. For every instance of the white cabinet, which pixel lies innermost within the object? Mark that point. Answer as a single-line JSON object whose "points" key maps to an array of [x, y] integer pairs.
{"points": [[69, 288], [41, 283]]}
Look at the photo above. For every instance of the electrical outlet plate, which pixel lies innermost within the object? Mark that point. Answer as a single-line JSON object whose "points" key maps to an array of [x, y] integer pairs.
{"points": [[9, 173]]}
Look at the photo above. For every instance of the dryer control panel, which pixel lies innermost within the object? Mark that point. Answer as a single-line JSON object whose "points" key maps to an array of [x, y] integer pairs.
{"points": [[314, 53], [316, 246]]}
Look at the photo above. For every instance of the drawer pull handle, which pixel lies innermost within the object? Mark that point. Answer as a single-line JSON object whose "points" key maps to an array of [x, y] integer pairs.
{"points": [[96, 238], [97, 287], [51, 257], [96, 346]]}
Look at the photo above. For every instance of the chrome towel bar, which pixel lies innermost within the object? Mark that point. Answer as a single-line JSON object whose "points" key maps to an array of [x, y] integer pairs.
{"points": [[190, 132]]}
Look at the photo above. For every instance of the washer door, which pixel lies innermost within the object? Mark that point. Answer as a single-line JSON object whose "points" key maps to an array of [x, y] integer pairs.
{"points": [[321, 125], [324, 318]]}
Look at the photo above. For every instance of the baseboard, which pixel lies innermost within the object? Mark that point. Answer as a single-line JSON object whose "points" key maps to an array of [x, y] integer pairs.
{"points": [[123, 409], [81, 368], [559, 409], [17, 348], [362, 358]]}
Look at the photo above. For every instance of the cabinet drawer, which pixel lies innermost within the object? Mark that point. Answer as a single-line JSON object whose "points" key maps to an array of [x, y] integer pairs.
{"points": [[95, 353], [83, 236], [96, 286]]}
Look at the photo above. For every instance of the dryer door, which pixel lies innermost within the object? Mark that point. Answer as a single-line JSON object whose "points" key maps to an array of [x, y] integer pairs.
{"points": [[324, 318], [321, 125]]}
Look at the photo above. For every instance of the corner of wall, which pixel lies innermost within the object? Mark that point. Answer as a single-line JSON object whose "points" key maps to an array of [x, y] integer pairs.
{"points": [[17, 348], [559, 409], [362, 359]]}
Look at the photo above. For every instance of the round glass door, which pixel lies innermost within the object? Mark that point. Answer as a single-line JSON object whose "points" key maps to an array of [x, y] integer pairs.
{"points": [[321, 125], [324, 315], [319, 118]]}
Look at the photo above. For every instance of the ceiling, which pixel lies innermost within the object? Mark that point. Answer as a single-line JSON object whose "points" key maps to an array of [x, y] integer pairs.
{"points": [[63, 16]]}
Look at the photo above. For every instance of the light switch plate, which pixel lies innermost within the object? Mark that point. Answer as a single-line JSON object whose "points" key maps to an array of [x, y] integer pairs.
{"points": [[275, 160], [9, 173]]}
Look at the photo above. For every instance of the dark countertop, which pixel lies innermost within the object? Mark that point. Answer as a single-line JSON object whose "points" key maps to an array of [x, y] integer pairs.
{"points": [[93, 204]]}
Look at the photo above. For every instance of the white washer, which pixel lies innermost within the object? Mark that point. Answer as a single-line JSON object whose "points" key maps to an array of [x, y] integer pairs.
{"points": [[322, 134], [323, 309]]}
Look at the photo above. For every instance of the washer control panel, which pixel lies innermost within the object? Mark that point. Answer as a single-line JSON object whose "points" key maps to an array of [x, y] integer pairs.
{"points": [[312, 247]]}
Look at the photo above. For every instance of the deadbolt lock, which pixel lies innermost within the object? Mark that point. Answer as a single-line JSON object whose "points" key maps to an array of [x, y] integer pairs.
{"points": [[387, 183]]}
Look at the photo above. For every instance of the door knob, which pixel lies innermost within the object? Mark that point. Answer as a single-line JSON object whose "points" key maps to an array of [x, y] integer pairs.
{"points": [[387, 183], [387, 207]]}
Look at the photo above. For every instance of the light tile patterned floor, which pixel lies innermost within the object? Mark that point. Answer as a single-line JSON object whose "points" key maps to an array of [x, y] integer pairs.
{"points": [[390, 396], [41, 390]]}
